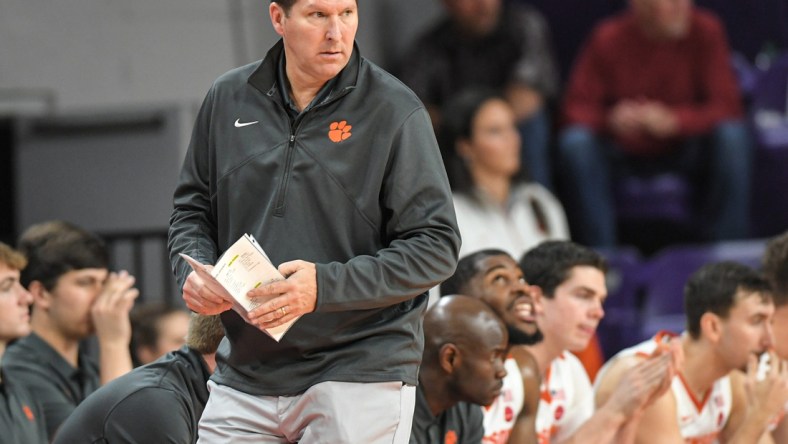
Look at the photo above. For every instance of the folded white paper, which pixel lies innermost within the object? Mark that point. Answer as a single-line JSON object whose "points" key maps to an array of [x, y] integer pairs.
{"points": [[241, 268]]}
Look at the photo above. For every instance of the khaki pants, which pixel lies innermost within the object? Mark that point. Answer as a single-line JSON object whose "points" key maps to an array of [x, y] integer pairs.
{"points": [[329, 412]]}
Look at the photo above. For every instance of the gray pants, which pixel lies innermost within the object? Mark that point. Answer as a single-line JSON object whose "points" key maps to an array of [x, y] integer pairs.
{"points": [[329, 412]]}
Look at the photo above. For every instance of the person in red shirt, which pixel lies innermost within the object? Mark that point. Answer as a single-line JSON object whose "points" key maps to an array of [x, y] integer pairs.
{"points": [[653, 90]]}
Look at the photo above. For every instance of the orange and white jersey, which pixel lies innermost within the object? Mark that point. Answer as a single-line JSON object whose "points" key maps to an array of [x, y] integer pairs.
{"points": [[566, 399], [700, 421], [500, 416]]}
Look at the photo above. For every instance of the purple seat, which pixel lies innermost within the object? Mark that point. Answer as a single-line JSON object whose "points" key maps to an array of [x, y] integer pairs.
{"points": [[746, 73], [665, 196], [622, 308], [769, 106], [769, 117], [769, 214], [668, 272]]}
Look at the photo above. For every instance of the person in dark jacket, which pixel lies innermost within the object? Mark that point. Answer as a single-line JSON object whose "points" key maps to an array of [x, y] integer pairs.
{"points": [[463, 369], [496, 44], [332, 165], [21, 417], [159, 402]]}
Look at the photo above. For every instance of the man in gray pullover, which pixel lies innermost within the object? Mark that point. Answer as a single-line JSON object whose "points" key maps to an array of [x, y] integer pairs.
{"points": [[332, 165]]}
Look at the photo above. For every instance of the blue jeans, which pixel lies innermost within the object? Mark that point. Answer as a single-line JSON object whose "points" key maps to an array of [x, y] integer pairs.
{"points": [[590, 165], [535, 152]]}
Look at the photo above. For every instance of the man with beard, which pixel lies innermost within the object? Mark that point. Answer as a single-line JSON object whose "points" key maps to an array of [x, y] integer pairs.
{"points": [[729, 311], [494, 277], [463, 365]]}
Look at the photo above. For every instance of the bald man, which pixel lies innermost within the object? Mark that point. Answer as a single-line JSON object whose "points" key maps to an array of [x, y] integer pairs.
{"points": [[494, 277], [462, 368]]}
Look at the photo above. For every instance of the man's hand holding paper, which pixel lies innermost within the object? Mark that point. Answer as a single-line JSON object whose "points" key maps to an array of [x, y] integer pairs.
{"points": [[245, 280], [288, 299], [202, 299]]}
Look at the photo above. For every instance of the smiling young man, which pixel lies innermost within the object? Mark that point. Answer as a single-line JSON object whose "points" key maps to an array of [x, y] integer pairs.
{"points": [[568, 284], [74, 297], [729, 311], [494, 277], [21, 419], [463, 369], [332, 165]]}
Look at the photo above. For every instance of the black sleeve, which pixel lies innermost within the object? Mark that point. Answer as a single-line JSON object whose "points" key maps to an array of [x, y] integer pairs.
{"points": [[151, 415], [192, 223]]}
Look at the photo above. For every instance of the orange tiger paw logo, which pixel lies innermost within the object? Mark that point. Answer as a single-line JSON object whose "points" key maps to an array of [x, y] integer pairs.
{"points": [[339, 131]]}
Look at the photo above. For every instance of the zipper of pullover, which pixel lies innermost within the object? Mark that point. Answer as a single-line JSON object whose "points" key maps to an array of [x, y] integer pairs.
{"points": [[279, 209], [281, 194]]}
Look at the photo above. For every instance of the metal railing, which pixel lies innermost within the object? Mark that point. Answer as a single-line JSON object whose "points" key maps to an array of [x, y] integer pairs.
{"points": [[144, 254]]}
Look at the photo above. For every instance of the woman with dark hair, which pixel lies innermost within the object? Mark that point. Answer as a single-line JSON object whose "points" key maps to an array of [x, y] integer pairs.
{"points": [[496, 205]]}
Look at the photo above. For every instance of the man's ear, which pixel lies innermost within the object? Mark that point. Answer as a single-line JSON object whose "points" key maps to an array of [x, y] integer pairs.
{"points": [[278, 16], [711, 327], [41, 296], [450, 357], [538, 297]]}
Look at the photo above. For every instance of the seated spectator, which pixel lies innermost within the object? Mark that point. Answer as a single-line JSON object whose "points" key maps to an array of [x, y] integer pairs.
{"points": [[489, 44], [496, 207], [21, 418], [494, 277], [729, 312], [463, 367], [158, 402], [74, 297], [568, 284], [653, 91], [775, 267], [157, 329]]}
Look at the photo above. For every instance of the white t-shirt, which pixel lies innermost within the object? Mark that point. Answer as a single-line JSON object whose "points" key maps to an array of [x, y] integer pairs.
{"points": [[500, 416], [514, 228], [566, 399], [700, 421]]}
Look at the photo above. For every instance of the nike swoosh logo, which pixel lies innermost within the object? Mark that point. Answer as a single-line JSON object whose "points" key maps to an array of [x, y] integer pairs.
{"points": [[239, 124]]}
